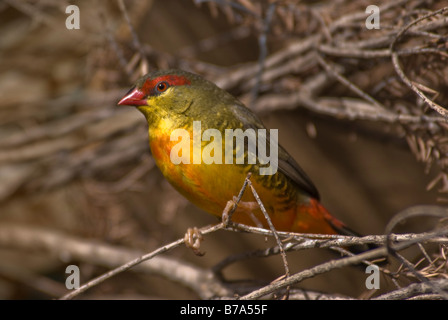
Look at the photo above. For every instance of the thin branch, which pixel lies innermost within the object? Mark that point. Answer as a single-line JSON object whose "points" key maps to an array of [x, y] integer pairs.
{"points": [[227, 214], [56, 243], [134, 263], [272, 228], [351, 85], [325, 267], [416, 290], [434, 211], [342, 108], [266, 23], [135, 41], [441, 110], [314, 271]]}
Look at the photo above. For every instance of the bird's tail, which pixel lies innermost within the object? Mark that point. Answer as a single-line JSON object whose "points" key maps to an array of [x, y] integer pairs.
{"points": [[341, 228]]}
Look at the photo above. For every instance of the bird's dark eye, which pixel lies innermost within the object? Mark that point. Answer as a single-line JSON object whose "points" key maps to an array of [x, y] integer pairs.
{"points": [[161, 86]]}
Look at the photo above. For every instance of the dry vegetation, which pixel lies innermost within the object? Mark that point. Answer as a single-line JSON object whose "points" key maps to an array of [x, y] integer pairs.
{"points": [[363, 111]]}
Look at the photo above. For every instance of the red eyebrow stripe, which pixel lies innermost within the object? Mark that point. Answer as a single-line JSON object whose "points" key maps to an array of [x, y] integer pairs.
{"points": [[171, 79]]}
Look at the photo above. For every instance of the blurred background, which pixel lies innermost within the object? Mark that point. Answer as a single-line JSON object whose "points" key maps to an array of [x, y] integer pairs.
{"points": [[74, 165]]}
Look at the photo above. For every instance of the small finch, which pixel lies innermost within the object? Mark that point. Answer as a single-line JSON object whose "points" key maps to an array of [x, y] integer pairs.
{"points": [[174, 99]]}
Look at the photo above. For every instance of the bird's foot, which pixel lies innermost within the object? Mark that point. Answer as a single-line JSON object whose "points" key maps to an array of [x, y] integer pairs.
{"points": [[245, 205], [193, 238]]}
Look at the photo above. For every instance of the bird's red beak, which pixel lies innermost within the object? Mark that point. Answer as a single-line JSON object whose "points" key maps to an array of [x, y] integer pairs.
{"points": [[134, 97]]}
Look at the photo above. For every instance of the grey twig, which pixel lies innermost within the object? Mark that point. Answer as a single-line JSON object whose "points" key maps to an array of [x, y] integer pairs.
{"points": [[441, 110], [134, 263], [263, 50], [135, 41], [272, 228]]}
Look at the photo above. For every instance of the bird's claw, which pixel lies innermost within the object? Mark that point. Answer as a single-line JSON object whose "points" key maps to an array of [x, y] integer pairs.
{"points": [[225, 217], [193, 238], [248, 206]]}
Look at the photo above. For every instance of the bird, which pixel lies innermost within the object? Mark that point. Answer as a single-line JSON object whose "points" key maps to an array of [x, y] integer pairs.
{"points": [[174, 100]]}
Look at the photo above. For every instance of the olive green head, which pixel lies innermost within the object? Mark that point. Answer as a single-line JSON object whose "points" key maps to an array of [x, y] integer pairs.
{"points": [[178, 95]]}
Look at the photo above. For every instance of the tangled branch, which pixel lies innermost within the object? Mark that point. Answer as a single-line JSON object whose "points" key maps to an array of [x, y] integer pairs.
{"points": [[58, 126]]}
